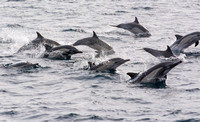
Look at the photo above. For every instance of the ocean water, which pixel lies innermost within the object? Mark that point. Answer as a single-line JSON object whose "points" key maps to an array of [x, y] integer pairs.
{"points": [[64, 91]]}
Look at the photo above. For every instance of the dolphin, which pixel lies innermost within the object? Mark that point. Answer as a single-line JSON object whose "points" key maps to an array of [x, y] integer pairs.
{"points": [[36, 43], [22, 65], [135, 27], [156, 75], [109, 65], [166, 54], [181, 43], [95, 43], [184, 42], [62, 52]]}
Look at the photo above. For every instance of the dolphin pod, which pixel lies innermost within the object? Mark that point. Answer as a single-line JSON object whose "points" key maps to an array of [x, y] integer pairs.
{"points": [[156, 75]]}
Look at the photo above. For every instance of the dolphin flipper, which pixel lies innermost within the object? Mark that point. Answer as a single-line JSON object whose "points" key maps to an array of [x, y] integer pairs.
{"points": [[196, 43]]}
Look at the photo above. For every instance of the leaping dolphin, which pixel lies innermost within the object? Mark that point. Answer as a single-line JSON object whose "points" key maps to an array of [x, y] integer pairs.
{"points": [[95, 43], [109, 65], [36, 43], [178, 46], [166, 54], [184, 42], [156, 75], [135, 27], [63, 52]]}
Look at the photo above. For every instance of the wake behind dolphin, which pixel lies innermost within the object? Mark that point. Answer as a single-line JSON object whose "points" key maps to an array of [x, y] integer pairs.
{"points": [[156, 75], [95, 43], [135, 27], [36, 43]]}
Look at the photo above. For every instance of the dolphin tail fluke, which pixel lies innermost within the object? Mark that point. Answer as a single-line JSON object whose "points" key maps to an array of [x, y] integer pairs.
{"points": [[196, 43], [39, 35], [132, 75], [91, 65]]}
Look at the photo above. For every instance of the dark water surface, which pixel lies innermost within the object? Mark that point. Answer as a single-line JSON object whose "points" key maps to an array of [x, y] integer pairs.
{"points": [[64, 91]]}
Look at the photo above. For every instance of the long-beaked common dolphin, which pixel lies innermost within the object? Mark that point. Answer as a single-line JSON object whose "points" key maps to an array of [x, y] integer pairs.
{"points": [[178, 46], [22, 65], [135, 27], [36, 43], [95, 43], [109, 65], [62, 52], [156, 75], [184, 42]]}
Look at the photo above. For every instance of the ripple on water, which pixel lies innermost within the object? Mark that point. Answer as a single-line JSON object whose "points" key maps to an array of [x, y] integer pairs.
{"points": [[11, 113], [193, 90], [78, 117], [188, 120], [14, 0], [68, 116], [143, 8], [74, 30], [15, 26]]}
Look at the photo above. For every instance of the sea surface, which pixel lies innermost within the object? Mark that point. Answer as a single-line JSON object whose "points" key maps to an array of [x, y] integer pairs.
{"points": [[65, 91]]}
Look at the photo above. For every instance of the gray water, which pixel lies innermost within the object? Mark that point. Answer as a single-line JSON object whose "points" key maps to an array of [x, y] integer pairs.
{"points": [[65, 91]]}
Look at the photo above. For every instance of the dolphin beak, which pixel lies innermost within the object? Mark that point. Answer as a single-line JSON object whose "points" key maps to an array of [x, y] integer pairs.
{"points": [[175, 64], [125, 61], [178, 62], [79, 52], [113, 25]]}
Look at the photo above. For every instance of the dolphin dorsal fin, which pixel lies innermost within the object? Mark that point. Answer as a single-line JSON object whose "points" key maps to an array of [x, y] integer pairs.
{"points": [[178, 36], [39, 35], [95, 35], [136, 20], [132, 75], [196, 43], [48, 47], [169, 50]]}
